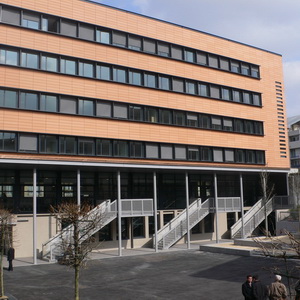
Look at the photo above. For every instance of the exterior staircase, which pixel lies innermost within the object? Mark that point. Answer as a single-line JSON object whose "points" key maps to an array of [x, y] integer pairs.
{"points": [[108, 212]]}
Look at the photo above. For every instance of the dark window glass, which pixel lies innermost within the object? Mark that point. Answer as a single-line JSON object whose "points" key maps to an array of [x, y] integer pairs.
{"points": [[149, 46], [227, 124], [28, 101], [31, 20], [135, 113], [245, 69], [166, 152], [249, 127], [86, 69], [180, 152], [29, 60], [164, 83], [213, 61], [178, 85], [120, 111], [224, 63], [86, 32], [165, 116], [48, 103], [8, 99], [190, 87], [218, 155], [67, 145], [201, 58], [226, 94], [192, 120], [189, 55], [206, 154], [135, 43], [121, 148], [260, 157], [103, 72], [28, 142], [136, 149], [48, 143], [238, 125], [240, 156], [86, 146], [9, 57], [151, 115], [256, 99], [68, 28], [152, 151], [50, 24], [214, 91], [104, 109], [86, 107], [119, 39], [176, 52], [104, 147], [258, 128], [68, 105], [49, 63], [150, 80], [235, 66], [237, 96], [250, 156], [193, 153], [203, 90], [254, 71], [179, 118], [11, 15], [7, 141], [102, 36], [68, 66], [119, 75], [204, 121], [163, 49], [135, 77], [247, 98], [216, 123]]}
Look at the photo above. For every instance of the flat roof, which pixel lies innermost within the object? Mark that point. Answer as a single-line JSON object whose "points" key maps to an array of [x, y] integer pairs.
{"points": [[185, 27]]}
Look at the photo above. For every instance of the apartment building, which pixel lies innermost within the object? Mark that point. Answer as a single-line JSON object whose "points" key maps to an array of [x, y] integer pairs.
{"points": [[294, 144], [104, 106]]}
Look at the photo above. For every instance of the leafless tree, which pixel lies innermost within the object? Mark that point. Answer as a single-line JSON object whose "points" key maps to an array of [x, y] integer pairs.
{"points": [[77, 240]]}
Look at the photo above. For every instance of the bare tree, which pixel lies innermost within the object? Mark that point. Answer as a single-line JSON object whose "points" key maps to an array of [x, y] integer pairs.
{"points": [[5, 240], [77, 240]]}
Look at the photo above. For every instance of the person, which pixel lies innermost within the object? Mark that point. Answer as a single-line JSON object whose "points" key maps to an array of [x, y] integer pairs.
{"points": [[247, 288], [10, 258], [277, 290], [260, 291]]}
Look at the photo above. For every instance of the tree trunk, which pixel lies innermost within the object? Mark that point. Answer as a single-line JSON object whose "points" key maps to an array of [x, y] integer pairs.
{"points": [[77, 282]]}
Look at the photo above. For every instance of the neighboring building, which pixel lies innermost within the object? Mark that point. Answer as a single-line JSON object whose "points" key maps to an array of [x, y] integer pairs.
{"points": [[294, 142], [90, 91]]}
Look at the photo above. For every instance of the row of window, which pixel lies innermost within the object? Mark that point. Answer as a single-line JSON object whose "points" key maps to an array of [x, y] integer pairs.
{"points": [[126, 111], [51, 144], [91, 69], [89, 32]]}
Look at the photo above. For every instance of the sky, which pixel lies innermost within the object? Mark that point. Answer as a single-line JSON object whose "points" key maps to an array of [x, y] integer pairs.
{"points": [[273, 25]]}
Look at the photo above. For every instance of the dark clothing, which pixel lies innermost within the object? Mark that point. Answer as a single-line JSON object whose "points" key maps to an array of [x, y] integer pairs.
{"points": [[10, 258], [260, 291], [247, 290]]}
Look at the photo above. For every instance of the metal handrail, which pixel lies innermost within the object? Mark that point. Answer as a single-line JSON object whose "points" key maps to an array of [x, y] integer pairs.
{"points": [[145, 207]]}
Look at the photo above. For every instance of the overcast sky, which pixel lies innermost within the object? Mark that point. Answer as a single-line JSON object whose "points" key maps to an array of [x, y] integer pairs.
{"points": [[269, 24]]}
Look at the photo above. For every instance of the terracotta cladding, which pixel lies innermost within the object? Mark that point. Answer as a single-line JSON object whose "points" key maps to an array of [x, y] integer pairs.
{"points": [[270, 71]]}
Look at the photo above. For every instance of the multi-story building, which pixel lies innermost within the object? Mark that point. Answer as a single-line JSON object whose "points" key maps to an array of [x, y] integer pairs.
{"points": [[100, 103], [294, 141]]}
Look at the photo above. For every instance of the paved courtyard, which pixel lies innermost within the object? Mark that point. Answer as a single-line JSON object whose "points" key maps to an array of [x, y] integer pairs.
{"points": [[188, 274]]}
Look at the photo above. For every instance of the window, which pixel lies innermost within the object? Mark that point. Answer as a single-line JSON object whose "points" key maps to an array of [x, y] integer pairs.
{"points": [[31, 20], [238, 125], [180, 152], [104, 109], [135, 113], [235, 66], [164, 83], [150, 80], [86, 146], [49, 63], [10, 15], [48, 103], [103, 72], [86, 32], [256, 99], [9, 57], [102, 36], [260, 157], [237, 96], [229, 155], [227, 124], [190, 87], [178, 85], [224, 63], [119, 39], [136, 149], [67, 145], [149, 46], [189, 56], [218, 155], [201, 58], [48, 144], [7, 141], [27, 142], [225, 94], [121, 148], [176, 52], [29, 60], [86, 69], [216, 123], [245, 69], [166, 152], [119, 75], [68, 105], [240, 156], [86, 107], [103, 147], [135, 78], [135, 43], [204, 121], [120, 111], [206, 154], [250, 155], [68, 66], [203, 90], [254, 71], [213, 61], [151, 115], [258, 128], [68, 28], [179, 118], [29, 101], [192, 120], [165, 116], [247, 98], [249, 128], [214, 91], [193, 153], [50, 24], [163, 49], [152, 151], [8, 99]]}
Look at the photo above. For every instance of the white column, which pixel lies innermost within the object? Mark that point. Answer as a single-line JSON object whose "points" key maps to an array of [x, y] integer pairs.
{"points": [[78, 188], [119, 214], [34, 218], [155, 210], [242, 205], [187, 198], [216, 207]]}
